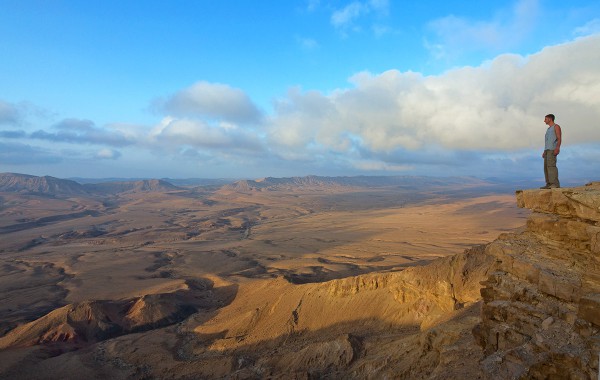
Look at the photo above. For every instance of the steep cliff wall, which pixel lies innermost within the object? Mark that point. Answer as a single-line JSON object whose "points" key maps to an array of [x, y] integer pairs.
{"points": [[541, 310]]}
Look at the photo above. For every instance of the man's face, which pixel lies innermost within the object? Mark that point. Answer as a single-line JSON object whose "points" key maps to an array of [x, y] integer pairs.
{"points": [[547, 120]]}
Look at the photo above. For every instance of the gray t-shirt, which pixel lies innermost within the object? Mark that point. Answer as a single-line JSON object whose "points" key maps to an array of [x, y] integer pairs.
{"points": [[551, 138]]}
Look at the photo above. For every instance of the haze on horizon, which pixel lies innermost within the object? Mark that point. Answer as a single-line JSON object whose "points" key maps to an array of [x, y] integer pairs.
{"points": [[239, 89]]}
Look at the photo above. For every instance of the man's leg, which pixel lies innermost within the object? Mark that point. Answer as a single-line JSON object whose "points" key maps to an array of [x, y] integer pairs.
{"points": [[552, 169], [546, 168]]}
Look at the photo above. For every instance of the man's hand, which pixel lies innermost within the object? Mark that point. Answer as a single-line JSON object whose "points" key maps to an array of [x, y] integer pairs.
{"points": [[556, 151], [543, 154]]}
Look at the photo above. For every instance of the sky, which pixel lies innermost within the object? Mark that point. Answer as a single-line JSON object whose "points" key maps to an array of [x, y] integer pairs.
{"points": [[249, 89]]}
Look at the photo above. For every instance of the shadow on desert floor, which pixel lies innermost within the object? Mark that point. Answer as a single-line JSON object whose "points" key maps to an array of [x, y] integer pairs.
{"points": [[356, 349]]}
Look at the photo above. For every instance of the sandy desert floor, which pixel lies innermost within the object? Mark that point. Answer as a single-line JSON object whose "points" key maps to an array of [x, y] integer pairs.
{"points": [[56, 252]]}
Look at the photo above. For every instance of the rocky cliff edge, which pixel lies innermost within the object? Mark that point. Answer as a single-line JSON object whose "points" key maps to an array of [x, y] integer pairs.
{"points": [[541, 303]]}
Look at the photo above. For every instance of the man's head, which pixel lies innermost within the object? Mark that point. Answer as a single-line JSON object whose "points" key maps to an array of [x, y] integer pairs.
{"points": [[549, 119]]}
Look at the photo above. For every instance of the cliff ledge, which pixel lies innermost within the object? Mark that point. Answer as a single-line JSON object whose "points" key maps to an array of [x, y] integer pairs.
{"points": [[541, 302]]}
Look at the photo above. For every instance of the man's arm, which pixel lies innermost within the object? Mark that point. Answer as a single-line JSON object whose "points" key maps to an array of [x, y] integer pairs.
{"points": [[558, 132]]}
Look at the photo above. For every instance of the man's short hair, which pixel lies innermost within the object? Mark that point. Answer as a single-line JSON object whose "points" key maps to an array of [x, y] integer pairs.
{"points": [[551, 116]]}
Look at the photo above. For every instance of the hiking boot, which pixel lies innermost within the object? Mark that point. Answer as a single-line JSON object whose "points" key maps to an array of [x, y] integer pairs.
{"points": [[545, 187]]}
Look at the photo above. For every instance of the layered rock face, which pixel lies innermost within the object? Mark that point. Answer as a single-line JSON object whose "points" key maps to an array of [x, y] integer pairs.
{"points": [[541, 311]]}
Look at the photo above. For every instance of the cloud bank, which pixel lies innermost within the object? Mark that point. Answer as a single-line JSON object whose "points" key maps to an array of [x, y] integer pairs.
{"points": [[82, 131], [469, 120], [496, 107]]}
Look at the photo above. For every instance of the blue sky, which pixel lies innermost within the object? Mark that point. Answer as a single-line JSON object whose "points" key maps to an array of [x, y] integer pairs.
{"points": [[250, 89]]}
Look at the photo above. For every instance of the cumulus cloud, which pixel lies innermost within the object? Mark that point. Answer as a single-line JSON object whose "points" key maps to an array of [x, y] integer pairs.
{"points": [[475, 120], [496, 107], [453, 35], [214, 101]]}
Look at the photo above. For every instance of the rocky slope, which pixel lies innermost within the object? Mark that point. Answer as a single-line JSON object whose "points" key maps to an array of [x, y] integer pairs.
{"points": [[411, 324], [541, 311], [83, 323]]}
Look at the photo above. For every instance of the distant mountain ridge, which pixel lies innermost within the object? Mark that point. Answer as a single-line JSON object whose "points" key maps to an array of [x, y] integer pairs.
{"points": [[312, 181], [51, 186], [180, 182], [146, 185], [47, 185], [24, 183]]}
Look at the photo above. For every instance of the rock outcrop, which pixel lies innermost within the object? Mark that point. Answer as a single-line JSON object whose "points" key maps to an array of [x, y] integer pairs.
{"points": [[541, 310], [88, 322]]}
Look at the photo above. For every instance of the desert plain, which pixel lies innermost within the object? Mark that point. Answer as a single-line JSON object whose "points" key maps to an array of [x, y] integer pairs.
{"points": [[253, 279]]}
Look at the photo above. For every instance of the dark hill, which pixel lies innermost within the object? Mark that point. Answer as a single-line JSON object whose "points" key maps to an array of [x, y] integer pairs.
{"points": [[56, 187], [46, 185], [146, 185], [405, 182]]}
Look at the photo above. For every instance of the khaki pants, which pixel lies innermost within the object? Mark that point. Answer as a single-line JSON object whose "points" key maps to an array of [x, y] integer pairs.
{"points": [[550, 169]]}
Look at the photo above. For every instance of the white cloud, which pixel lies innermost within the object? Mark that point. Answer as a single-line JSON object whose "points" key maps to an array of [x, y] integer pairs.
{"points": [[496, 107], [214, 101], [472, 120]]}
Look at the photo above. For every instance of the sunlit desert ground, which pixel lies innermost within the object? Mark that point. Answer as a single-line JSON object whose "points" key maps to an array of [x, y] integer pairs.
{"points": [[61, 251], [250, 246]]}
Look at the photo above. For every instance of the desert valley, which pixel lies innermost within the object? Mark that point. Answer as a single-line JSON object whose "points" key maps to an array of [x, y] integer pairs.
{"points": [[305, 277]]}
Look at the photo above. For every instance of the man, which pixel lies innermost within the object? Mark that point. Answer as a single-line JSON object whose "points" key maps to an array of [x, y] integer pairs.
{"points": [[551, 150]]}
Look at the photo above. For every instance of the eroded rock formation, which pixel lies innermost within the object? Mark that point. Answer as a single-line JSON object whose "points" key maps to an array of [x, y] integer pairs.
{"points": [[541, 310]]}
